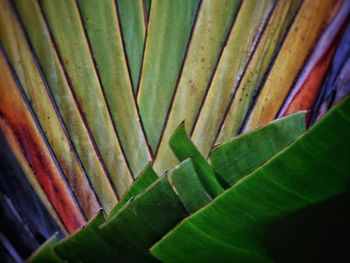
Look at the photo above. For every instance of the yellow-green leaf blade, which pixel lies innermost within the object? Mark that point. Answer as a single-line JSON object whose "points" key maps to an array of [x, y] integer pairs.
{"points": [[101, 23], [243, 38], [65, 24], [48, 59], [276, 29], [168, 34], [213, 24], [133, 24]]}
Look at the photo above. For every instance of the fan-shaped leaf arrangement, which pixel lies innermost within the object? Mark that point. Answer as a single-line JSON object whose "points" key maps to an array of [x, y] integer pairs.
{"points": [[174, 131]]}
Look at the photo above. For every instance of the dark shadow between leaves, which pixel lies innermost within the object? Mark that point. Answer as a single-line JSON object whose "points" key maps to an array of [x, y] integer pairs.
{"points": [[319, 233]]}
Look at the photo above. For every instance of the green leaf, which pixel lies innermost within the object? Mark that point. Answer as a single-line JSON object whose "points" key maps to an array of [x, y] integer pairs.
{"points": [[67, 30], [101, 23], [186, 184], [215, 19], [232, 227], [144, 180], [257, 147], [240, 45], [183, 148], [40, 39], [168, 35], [46, 252], [137, 226], [133, 18], [87, 245]]}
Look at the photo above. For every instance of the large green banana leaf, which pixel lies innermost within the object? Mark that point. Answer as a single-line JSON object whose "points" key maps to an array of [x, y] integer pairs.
{"points": [[227, 160], [46, 253], [112, 109], [233, 226], [130, 230], [145, 179]]}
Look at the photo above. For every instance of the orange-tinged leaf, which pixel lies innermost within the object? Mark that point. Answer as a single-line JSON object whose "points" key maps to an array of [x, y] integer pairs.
{"points": [[17, 115], [300, 41]]}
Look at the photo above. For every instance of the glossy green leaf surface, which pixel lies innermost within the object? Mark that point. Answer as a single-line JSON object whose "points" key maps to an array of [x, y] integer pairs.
{"points": [[271, 39], [212, 27], [142, 222], [233, 225], [64, 21], [40, 39], [183, 148], [168, 34], [257, 147], [112, 109], [145, 179], [150, 215], [186, 184], [240, 45], [46, 253], [132, 18], [87, 244]]}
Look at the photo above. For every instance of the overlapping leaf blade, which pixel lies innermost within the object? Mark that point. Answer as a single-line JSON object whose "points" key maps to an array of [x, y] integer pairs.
{"points": [[303, 94], [139, 222], [202, 62], [133, 18], [266, 49], [19, 54], [171, 25], [215, 19], [300, 40], [233, 225], [84, 144], [33, 153], [67, 29], [260, 145], [242, 40], [100, 20]]}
